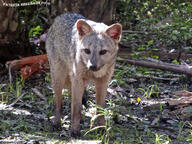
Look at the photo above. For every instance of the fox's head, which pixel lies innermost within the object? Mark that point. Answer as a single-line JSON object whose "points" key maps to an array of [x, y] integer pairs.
{"points": [[98, 47]]}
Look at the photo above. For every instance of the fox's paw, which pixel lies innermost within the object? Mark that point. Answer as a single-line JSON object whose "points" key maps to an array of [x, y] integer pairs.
{"points": [[100, 121], [75, 134], [56, 123]]}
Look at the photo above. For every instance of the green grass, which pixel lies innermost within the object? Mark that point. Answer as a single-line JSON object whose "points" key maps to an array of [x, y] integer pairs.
{"points": [[29, 117]]}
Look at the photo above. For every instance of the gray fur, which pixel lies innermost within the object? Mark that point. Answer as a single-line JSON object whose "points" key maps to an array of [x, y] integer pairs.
{"points": [[70, 65]]}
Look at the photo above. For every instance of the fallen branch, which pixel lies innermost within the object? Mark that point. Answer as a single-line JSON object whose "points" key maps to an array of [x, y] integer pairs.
{"points": [[28, 65], [186, 98], [16, 100], [126, 51], [183, 93], [182, 69], [17, 64]]}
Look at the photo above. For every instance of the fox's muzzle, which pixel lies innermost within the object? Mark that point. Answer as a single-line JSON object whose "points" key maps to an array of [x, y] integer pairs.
{"points": [[93, 62], [93, 68]]}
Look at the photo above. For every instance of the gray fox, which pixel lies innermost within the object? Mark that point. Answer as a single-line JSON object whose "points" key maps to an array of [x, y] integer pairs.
{"points": [[79, 51]]}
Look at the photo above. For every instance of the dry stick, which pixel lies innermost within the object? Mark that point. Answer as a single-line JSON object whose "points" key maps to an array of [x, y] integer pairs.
{"points": [[162, 127], [37, 92], [182, 69], [10, 74], [156, 78], [15, 101]]}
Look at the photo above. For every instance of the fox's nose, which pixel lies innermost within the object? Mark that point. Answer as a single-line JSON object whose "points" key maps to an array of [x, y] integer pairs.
{"points": [[93, 68]]}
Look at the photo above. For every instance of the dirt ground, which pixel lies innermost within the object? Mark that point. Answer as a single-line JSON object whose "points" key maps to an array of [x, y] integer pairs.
{"points": [[138, 105]]}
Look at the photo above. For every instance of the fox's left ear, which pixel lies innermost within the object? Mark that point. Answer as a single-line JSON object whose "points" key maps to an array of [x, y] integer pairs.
{"points": [[83, 28], [115, 31]]}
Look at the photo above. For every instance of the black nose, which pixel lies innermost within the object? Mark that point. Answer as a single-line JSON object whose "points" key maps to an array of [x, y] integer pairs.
{"points": [[93, 68]]}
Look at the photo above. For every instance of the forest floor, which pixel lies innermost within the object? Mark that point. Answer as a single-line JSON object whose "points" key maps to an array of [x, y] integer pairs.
{"points": [[140, 109]]}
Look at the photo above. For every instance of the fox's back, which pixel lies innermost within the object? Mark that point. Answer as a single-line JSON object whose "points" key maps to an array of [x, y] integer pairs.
{"points": [[59, 37]]}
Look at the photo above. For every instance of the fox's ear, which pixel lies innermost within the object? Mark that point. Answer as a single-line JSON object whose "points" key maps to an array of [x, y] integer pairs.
{"points": [[114, 31], [83, 28]]}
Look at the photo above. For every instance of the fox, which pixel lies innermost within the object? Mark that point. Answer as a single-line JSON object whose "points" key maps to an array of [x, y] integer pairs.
{"points": [[80, 51]]}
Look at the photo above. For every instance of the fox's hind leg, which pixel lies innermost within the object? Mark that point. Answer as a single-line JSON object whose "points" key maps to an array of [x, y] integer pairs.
{"points": [[58, 80]]}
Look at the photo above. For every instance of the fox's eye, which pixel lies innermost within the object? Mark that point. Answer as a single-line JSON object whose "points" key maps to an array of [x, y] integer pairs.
{"points": [[102, 52], [87, 51]]}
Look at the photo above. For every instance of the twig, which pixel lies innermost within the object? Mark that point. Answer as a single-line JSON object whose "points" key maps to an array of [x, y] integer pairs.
{"points": [[10, 74], [156, 78], [162, 127], [37, 92], [15, 101]]}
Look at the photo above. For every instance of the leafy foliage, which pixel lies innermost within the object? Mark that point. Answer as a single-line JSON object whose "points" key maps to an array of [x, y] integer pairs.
{"points": [[166, 23], [35, 31]]}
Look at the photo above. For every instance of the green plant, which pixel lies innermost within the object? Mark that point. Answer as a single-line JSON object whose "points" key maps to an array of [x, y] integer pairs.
{"points": [[48, 78], [35, 31], [189, 137], [181, 126], [4, 98], [109, 114], [160, 108], [154, 25], [119, 75], [151, 90], [17, 89], [161, 139]]}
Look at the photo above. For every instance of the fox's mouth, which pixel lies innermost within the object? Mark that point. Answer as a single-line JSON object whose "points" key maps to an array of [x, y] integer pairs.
{"points": [[94, 68]]}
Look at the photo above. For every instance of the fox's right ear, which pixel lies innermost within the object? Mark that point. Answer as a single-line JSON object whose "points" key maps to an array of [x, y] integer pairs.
{"points": [[115, 32], [83, 28]]}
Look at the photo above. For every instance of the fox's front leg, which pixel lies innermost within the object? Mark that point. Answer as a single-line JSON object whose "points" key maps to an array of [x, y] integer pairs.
{"points": [[77, 90], [101, 85]]}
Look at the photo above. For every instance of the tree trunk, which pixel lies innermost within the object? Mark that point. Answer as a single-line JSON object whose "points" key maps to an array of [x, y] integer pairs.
{"points": [[13, 42], [8, 24], [97, 10]]}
